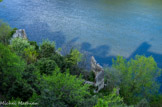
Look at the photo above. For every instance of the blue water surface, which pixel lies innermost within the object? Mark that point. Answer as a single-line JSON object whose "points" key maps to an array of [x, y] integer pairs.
{"points": [[103, 28]]}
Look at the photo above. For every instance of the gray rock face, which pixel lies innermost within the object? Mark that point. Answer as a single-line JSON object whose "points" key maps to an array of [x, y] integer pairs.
{"points": [[99, 74], [20, 33]]}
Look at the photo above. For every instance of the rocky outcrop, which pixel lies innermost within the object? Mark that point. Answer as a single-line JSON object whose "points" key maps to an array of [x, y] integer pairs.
{"points": [[20, 33], [99, 74]]}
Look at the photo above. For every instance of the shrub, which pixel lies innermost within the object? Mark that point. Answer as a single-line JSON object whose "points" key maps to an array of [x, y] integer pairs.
{"points": [[74, 57], [5, 32], [33, 43], [46, 66], [30, 54], [69, 89], [111, 100], [47, 49], [18, 45], [60, 61], [32, 76], [156, 101]]}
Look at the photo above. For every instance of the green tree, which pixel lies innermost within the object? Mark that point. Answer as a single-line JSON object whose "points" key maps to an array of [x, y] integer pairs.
{"points": [[111, 100], [5, 32], [72, 60], [32, 76], [156, 101], [74, 57], [46, 66], [48, 98], [68, 88], [47, 49], [23, 48], [143, 103], [138, 78], [60, 61], [30, 54], [19, 44], [112, 79], [20, 89], [11, 68], [33, 43], [11, 72]]}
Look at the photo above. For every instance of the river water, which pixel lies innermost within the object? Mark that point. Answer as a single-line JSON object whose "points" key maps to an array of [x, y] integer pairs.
{"points": [[103, 28]]}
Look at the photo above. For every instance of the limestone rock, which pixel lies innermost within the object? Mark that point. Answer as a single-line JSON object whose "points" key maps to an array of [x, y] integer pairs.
{"points": [[20, 33], [99, 74], [117, 91], [96, 68], [89, 82]]}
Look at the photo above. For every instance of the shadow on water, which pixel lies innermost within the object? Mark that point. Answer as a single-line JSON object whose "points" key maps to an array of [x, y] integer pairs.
{"points": [[68, 45], [39, 31], [143, 49], [100, 53]]}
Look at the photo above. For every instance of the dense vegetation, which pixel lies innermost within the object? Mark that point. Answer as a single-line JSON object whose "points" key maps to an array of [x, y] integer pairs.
{"points": [[33, 73]]}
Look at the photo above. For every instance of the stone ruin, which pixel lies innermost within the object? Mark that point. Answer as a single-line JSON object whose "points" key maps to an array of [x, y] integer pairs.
{"points": [[20, 33], [99, 75]]}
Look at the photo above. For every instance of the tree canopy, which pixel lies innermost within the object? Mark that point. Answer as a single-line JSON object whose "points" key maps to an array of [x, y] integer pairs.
{"points": [[138, 78], [66, 87], [11, 68], [5, 32]]}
